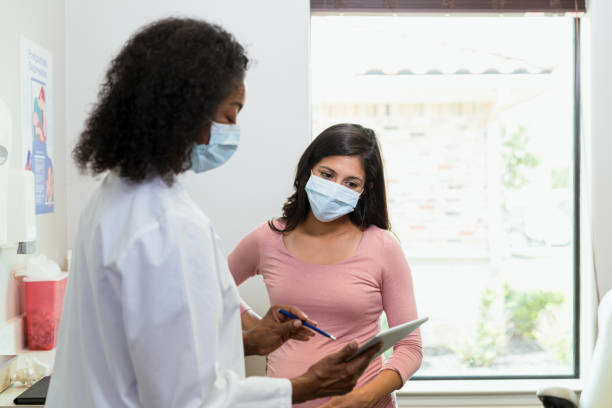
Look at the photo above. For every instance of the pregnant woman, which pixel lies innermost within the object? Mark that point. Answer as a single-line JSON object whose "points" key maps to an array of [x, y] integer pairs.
{"points": [[332, 255]]}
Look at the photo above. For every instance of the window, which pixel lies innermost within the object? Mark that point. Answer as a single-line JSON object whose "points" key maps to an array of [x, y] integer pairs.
{"points": [[475, 116]]}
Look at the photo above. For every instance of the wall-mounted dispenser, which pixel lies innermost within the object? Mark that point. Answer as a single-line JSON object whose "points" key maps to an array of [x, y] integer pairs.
{"points": [[17, 206], [6, 137], [21, 211]]}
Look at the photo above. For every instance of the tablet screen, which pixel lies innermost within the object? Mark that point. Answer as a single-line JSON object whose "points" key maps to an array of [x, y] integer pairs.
{"points": [[389, 337]]}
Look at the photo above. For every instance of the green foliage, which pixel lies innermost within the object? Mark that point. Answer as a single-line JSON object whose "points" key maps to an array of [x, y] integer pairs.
{"points": [[480, 353], [555, 337], [488, 344], [560, 178], [562, 347], [523, 309], [516, 158]]}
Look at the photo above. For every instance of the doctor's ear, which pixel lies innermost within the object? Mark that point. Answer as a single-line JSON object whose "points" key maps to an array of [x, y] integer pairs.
{"points": [[205, 133]]}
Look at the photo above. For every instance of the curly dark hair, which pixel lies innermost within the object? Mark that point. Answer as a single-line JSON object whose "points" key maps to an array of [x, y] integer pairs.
{"points": [[345, 139], [160, 91]]}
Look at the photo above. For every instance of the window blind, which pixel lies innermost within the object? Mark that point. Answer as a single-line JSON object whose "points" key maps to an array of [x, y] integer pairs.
{"points": [[449, 6]]}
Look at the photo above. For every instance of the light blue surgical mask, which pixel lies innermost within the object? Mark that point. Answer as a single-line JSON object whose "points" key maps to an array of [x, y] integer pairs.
{"points": [[328, 200], [224, 139]]}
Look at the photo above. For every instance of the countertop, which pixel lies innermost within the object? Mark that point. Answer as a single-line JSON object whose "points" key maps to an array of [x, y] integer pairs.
{"points": [[8, 395]]}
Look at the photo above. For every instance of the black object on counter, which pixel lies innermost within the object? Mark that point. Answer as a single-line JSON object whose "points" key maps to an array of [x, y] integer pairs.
{"points": [[36, 394]]}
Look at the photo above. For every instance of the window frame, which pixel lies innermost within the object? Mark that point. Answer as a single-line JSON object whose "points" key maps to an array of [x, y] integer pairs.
{"points": [[570, 380]]}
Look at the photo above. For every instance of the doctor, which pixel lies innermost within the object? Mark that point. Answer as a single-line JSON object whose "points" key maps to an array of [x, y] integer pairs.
{"points": [[151, 314]]}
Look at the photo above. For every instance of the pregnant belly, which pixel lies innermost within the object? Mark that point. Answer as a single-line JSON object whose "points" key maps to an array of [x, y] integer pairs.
{"points": [[292, 360]]}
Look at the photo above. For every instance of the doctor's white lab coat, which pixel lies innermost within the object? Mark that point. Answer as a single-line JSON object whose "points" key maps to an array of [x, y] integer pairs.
{"points": [[151, 315]]}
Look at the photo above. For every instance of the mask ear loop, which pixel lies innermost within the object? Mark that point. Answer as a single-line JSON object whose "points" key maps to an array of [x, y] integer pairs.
{"points": [[363, 210]]}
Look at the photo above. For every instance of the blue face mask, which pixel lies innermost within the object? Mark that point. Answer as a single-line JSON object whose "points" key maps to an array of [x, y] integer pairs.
{"points": [[328, 200], [224, 139]]}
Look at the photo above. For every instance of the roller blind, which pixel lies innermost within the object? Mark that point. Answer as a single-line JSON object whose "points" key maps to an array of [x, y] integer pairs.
{"points": [[473, 6]]}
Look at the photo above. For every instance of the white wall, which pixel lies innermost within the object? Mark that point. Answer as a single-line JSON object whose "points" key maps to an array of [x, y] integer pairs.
{"points": [[275, 122], [42, 22], [598, 115]]}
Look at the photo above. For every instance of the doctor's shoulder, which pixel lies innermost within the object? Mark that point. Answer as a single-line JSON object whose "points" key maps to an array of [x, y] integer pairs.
{"points": [[154, 202]]}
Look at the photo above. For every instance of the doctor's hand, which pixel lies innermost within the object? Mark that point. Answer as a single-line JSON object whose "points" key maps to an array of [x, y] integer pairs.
{"points": [[274, 330], [332, 375]]}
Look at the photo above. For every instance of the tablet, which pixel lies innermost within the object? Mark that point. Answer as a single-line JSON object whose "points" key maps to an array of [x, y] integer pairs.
{"points": [[389, 337]]}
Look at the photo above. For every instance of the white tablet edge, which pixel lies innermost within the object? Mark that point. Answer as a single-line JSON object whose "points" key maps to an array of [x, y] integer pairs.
{"points": [[409, 327]]}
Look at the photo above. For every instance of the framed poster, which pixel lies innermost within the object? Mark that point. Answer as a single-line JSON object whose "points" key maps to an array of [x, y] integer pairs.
{"points": [[36, 117]]}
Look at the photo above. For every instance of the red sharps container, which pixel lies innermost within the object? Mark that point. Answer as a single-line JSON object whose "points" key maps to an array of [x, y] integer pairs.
{"points": [[43, 304]]}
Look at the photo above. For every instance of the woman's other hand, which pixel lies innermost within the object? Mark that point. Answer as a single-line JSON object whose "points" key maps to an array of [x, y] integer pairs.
{"points": [[354, 399], [274, 329]]}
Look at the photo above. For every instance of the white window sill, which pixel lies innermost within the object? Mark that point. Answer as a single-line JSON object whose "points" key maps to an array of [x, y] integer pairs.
{"points": [[478, 393]]}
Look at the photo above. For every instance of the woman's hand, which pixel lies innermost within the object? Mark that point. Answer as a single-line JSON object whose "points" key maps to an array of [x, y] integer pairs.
{"points": [[354, 399], [367, 396], [274, 330]]}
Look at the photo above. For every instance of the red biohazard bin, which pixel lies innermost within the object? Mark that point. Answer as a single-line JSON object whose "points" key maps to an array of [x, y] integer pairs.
{"points": [[43, 304]]}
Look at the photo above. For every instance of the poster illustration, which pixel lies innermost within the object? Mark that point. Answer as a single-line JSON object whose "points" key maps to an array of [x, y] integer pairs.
{"points": [[36, 99]]}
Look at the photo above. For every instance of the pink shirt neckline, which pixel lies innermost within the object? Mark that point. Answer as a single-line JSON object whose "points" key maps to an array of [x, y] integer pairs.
{"points": [[355, 253]]}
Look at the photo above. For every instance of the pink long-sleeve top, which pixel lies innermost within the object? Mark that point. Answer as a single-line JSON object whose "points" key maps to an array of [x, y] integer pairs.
{"points": [[345, 298]]}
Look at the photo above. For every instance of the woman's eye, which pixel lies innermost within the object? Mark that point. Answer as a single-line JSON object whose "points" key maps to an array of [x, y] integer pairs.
{"points": [[326, 175], [351, 185]]}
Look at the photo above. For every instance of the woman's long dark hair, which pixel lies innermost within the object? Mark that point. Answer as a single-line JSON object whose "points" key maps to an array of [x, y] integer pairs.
{"points": [[341, 140]]}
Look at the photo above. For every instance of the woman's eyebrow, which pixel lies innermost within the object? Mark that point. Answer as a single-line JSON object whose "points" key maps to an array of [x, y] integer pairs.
{"points": [[354, 178], [328, 169]]}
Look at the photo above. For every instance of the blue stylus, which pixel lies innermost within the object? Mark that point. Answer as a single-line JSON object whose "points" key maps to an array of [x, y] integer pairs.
{"points": [[305, 323]]}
